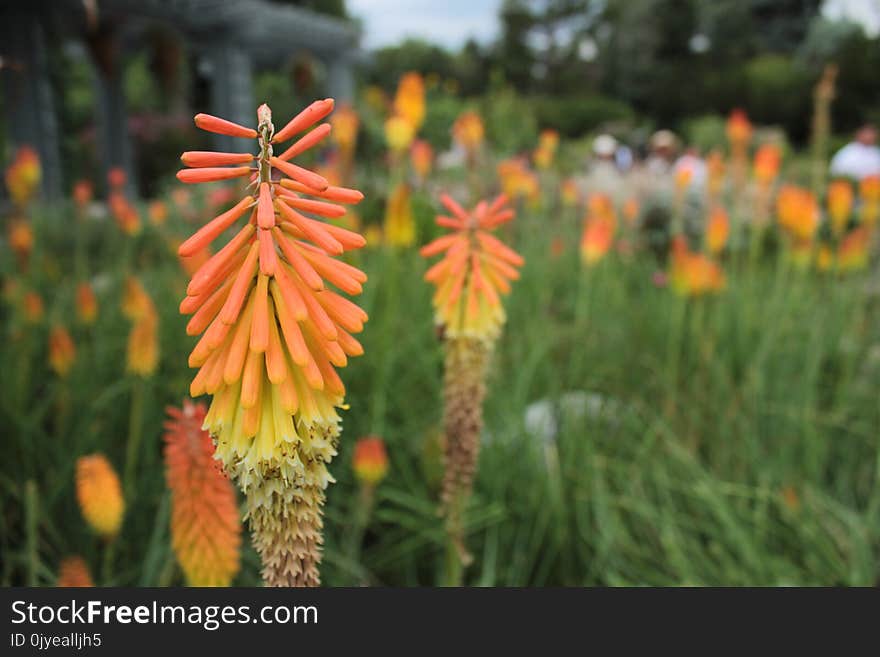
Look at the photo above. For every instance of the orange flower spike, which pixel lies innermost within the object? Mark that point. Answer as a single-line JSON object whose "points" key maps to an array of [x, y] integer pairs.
{"points": [[99, 494], [86, 303], [62, 351], [271, 339], [466, 299], [74, 572], [223, 127], [717, 230], [205, 525], [370, 461], [840, 203]]}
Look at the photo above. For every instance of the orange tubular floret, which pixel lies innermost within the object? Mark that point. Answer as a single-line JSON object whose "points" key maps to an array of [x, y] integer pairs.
{"points": [[496, 247], [209, 232], [212, 174], [223, 127], [454, 207], [240, 287], [260, 325], [319, 208], [208, 273], [265, 208], [332, 193], [296, 259], [200, 159], [308, 178], [440, 244], [305, 119], [449, 222], [306, 142], [315, 231], [291, 295]]}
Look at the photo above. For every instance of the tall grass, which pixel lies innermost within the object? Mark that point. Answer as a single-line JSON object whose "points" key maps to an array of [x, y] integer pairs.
{"points": [[726, 440]]}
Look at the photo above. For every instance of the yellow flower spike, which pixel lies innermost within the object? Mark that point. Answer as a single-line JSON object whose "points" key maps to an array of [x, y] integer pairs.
{"points": [[475, 270], [270, 338], [99, 494]]}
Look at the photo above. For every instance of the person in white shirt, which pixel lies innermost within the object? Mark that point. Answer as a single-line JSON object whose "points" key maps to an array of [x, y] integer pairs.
{"points": [[860, 158]]}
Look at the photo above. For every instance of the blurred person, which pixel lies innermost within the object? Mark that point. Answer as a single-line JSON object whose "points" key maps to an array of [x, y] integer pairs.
{"points": [[663, 146], [692, 167], [860, 158], [624, 158], [603, 175]]}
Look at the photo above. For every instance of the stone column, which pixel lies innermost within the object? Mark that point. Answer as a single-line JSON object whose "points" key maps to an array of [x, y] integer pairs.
{"points": [[340, 79], [27, 92], [232, 93], [111, 118]]}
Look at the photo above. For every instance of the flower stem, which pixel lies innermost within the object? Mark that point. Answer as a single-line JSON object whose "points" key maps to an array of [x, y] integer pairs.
{"points": [[31, 505], [135, 435]]}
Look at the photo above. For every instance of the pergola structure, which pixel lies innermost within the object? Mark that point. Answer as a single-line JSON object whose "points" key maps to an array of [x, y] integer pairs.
{"points": [[231, 38]]}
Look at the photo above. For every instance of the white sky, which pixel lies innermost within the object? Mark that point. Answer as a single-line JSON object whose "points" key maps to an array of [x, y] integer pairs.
{"points": [[452, 22], [449, 23]]}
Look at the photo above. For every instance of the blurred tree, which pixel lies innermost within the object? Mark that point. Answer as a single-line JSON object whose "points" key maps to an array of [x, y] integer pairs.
{"points": [[329, 7], [412, 55]]}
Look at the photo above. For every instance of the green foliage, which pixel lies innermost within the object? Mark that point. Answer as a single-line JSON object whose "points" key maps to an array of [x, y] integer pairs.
{"points": [[574, 116], [723, 441], [705, 132], [511, 124], [779, 91]]}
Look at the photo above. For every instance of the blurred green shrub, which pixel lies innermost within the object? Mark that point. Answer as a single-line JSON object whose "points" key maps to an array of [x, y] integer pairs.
{"points": [[705, 132], [574, 116], [779, 90]]}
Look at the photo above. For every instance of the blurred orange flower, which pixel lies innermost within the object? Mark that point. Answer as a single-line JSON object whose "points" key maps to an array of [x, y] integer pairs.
{"points": [[422, 157], [62, 351], [86, 303], [409, 102], [74, 572], [99, 494], [32, 305], [157, 211], [475, 269], [548, 142], [852, 254], [23, 175], [345, 124], [717, 230], [82, 193], [768, 159], [797, 212], [693, 274], [468, 131], [370, 461], [570, 193], [21, 239], [399, 133], [205, 524], [739, 129], [400, 226], [840, 202], [598, 236]]}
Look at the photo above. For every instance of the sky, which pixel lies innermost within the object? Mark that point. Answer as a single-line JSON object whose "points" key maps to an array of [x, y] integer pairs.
{"points": [[451, 23]]}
